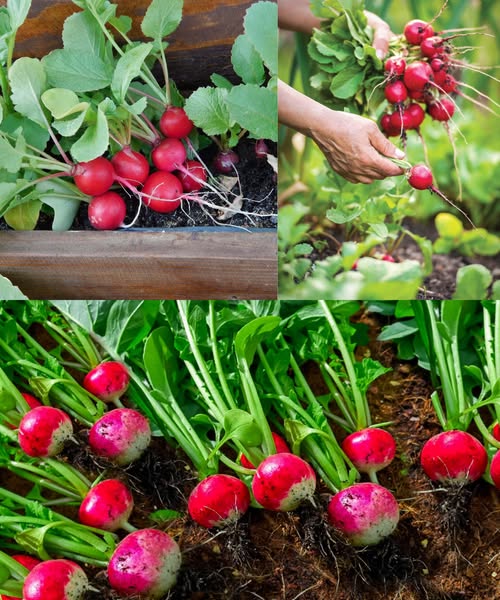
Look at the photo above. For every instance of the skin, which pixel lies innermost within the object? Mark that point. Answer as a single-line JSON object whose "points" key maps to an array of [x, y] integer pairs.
{"points": [[370, 450], [354, 146], [44, 430], [108, 505], [108, 381], [58, 579]]}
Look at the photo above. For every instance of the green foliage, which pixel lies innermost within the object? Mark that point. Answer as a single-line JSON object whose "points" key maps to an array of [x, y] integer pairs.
{"points": [[453, 236]]}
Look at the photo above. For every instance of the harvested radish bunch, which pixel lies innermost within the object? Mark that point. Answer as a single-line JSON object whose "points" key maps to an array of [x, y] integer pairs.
{"points": [[27, 561], [174, 123], [218, 500], [370, 449], [162, 192], [283, 481], [281, 447], [131, 166], [454, 457], [108, 506], [365, 513], [145, 563], [108, 381], [44, 430], [495, 469], [57, 579], [121, 435], [107, 211]]}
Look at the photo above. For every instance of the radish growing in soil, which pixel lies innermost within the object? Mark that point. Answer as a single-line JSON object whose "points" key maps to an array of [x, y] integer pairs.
{"points": [[169, 155], [107, 211], [108, 505], [162, 192], [107, 381], [131, 166], [225, 162], [27, 561], [370, 450], [121, 435], [495, 469], [94, 177], [281, 446], [218, 500], [174, 123], [44, 430], [496, 431], [283, 481], [145, 563], [58, 579], [365, 513], [454, 457], [192, 176]]}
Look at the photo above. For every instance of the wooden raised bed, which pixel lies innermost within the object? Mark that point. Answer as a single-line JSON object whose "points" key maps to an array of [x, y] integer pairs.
{"points": [[178, 263]]}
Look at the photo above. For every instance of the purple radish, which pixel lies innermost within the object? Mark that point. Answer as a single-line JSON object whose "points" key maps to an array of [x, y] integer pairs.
{"points": [[218, 500], [283, 481], [44, 430], [370, 449], [365, 513], [108, 381], [108, 505], [225, 162], [145, 563], [121, 435], [58, 579], [454, 456]]}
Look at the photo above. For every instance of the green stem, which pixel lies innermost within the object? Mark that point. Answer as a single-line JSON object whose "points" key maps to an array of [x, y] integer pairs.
{"points": [[216, 355]]}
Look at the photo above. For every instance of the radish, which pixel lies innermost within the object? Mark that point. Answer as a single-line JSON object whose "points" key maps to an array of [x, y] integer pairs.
{"points": [[417, 31], [365, 513], [28, 562], [192, 176], [121, 435], [283, 481], [401, 121], [454, 456], [395, 66], [396, 92], [12, 420], [387, 258], [174, 123], [387, 127], [58, 579], [225, 161], [131, 166], [94, 177], [218, 501], [441, 110], [439, 64], [420, 177], [145, 563], [108, 506], [281, 446], [108, 381], [495, 469], [107, 211], [418, 75], [261, 150], [432, 46], [162, 192], [169, 155], [31, 400], [44, 430], [416, 115], [496, 431], [370, 449]]}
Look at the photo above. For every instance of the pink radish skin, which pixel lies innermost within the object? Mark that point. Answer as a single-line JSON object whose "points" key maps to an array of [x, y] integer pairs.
{"points": [[94, 177], [418, 75], [395, 66], [365, 513], [108, 381], [495, 469], [169, 155], [145, 563], [283, 481], [27, 561], [31, 400], [108, 505], [281, 446], [32, 403], [174, 123], [420, 177], [396, 92], [417, 31], [43, 431], [193, 176], [218, 501], [121, 436], [58, 579], [225, 162], [454, 457], [496, 431], [370, 449], [107, 211], [441, 110], [131, 166], [162, 192]]}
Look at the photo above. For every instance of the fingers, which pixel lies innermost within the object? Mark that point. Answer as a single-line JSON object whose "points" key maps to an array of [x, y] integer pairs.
{"points": [[382, 34]]}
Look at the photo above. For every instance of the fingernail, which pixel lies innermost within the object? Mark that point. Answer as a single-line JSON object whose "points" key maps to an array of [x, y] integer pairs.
{"points": [[400, 153]]}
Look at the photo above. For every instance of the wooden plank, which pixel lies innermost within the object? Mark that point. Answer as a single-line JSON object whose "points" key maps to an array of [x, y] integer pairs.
{"points": [[141, 265]]}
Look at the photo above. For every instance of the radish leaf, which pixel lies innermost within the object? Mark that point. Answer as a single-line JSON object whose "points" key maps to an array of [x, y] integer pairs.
{"points": [[254, 108], [261, 27], [207, 108], [76, 71], [28, 81], [128, 67], [247, 62], [162, 18]]}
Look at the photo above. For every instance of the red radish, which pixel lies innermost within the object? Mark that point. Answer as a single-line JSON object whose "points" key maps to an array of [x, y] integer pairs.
{"points": [[58, 579], [401, 120], [395, 66], [107, 211], [417, 31], [225, 161], [448, 85], [162, 192], [419, 95], [365, 513], [387, 258], [174, 123], [108, 505], [120, 435], [370, 449], [193, 176], [44, 430], [454, 456], [131, 166], [12, 420], [108, 381], [31, 400], [387, 127], [418, 75], [496, 431], [438, 64], [432, 46], [145, 563], [261, 149], [169, 155], [420, 177], [94, 177], [218, 500], [396, 92], [283, 481], [416, 115], [495, 469], [27, 561], [441, 110], [281, 446]]}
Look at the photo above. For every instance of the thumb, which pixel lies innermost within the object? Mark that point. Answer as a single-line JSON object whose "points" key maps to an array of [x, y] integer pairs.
{"points": [[385, 147], [381, 38]]}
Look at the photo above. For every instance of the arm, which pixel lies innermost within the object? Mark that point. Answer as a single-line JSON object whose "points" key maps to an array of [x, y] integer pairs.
{"points": [[353, 145]]}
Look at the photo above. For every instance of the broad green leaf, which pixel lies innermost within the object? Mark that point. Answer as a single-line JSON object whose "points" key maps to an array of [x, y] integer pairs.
{"points": [[11, 160], [62, 102], [346, 83], [123, 23], [241, 425], [158, 359], [9, 291], [128, 323], [162, 18], [94, 142], [81, 33], [207, 108], [256, 109], [220, 81], [76, 71], [28, 81], [92, 315], [33, 133], [398, 330], [23, 217], [473, 282], [129, 66], [69, 127], [247, 62], [18, 11], [449, 226], [252, 334], [59, 197], [261, 26]]}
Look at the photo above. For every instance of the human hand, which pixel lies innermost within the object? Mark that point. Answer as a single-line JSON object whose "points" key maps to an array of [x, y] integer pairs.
{"points": [[382, 34]]}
